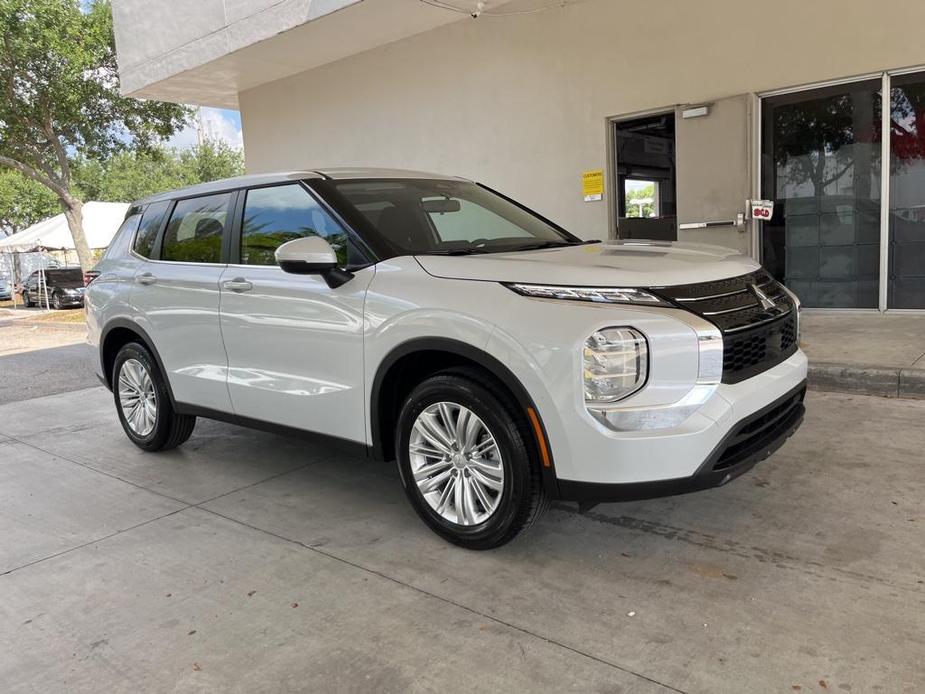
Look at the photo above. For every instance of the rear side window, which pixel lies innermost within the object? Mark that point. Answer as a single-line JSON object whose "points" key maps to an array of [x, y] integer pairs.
{"points": [[150, 224], [119, 245], [194, 232], [273, 216]]}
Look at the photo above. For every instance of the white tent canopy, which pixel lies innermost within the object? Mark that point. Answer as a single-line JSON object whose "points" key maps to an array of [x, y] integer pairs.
{"points": [[101, 220]]}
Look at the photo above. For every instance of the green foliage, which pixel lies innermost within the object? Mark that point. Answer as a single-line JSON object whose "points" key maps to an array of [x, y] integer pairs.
{"points": [[58, 68], [645, 209], [134, 174], [61, 96], [23, 202]]}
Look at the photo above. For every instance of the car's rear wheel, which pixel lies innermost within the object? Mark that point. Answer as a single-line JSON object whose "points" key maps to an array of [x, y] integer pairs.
{"points": [[466, 462], [143, 402], [25, 300]]}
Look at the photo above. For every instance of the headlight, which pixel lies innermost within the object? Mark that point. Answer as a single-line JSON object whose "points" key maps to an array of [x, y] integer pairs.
{"points": [[607, 295], [616, 363]]}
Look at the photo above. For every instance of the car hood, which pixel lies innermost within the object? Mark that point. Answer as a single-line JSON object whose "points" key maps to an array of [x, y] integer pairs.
{"points": [[610, 264]]}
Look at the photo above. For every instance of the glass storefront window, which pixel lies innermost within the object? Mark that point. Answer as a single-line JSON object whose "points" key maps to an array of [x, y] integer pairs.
{"points": [[821, 165], [906, 285]]}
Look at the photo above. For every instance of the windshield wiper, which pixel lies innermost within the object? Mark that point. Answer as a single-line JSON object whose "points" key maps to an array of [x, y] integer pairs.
{"points": [[550, 244]]}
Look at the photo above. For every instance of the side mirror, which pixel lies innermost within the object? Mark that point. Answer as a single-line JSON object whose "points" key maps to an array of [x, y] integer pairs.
{"points": [[312, 255]]}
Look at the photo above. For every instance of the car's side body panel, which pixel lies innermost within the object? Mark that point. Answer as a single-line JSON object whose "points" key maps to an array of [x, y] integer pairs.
{"points": [[295, 349], [177, 304]]}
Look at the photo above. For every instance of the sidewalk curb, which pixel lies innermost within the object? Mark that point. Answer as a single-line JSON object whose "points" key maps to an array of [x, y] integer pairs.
{"points": [[864, 379]]}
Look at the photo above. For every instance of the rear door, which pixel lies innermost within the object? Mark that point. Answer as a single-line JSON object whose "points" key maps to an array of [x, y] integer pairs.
{"points": [[294, 345], [176, 293]]}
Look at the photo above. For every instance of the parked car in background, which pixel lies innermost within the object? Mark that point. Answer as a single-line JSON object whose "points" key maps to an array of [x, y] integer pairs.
{"points": [[499, 359], [6, 289], [65, 288]]}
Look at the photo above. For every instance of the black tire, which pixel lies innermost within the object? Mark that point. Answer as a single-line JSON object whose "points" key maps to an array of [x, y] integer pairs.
{"points": [[56, 301], [523, 499], [170, 429], [25, 300]]}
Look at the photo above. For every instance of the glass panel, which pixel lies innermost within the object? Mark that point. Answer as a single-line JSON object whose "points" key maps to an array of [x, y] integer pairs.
{"points": [[150, 225], [906, 288], [273, 216], [821, 166], [194, 233], [645, 158]]}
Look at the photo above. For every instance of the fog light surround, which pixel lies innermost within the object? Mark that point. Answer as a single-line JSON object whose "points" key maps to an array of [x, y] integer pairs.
{"points": [[615, 364]]}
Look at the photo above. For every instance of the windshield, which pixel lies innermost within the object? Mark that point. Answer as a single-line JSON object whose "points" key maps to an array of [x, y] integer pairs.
{"points": [[432, 217]]}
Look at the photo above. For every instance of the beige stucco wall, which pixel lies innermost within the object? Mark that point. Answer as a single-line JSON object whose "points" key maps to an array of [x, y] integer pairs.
{"points": [[521, 102]]}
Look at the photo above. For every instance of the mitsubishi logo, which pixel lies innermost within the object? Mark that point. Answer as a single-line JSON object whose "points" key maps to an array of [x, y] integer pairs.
{"points": [[766, 301]]}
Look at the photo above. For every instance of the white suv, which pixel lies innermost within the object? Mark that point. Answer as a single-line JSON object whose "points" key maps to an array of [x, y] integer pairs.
{"points": [[502, 361]]}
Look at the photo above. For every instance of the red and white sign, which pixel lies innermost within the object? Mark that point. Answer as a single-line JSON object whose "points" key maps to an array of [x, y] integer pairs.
{"points": [[762, 210]]}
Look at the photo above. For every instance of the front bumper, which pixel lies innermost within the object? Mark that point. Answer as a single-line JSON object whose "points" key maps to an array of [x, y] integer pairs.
{"points": [[750, 441]]}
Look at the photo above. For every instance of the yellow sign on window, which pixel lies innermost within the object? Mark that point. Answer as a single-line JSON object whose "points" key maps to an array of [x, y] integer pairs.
{"points": [[592, 185]]}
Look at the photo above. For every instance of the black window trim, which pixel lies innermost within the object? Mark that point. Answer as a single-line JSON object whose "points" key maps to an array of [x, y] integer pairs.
{"points": [[158, 248], [234, 242]]}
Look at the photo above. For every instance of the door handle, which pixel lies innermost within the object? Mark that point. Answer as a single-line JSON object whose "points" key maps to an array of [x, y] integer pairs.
{"points": [[238, 284], [146, 278]]}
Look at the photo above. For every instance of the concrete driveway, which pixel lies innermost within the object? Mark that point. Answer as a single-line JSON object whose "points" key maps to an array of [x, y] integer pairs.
{"points": [[250, 562]]}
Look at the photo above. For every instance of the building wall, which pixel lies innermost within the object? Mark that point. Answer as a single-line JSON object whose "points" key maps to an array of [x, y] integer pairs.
{"points": [[521, 102]]}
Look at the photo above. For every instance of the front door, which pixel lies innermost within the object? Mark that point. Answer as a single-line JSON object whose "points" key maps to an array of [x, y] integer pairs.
{"points": [[294, 345]]}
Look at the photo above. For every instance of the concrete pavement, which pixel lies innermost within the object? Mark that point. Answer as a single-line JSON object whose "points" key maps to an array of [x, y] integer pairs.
{"points": [[865, 353], [245, 561], [38, 360]]}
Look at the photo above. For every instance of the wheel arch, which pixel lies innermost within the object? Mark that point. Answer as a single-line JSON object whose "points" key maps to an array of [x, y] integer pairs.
{"points": [[119, 332], [419, 358]]}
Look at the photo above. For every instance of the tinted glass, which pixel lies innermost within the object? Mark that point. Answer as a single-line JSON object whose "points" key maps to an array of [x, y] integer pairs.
{"points": [[433, 216], [67, 277], [119, 245], [150, 224], [194, 233], [821, 165], [273, 216], [906, 288]]}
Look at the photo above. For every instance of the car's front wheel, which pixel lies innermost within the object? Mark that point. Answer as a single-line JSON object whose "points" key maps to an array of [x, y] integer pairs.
{"points": [[143, 402], [466, 461], [56, 301]]}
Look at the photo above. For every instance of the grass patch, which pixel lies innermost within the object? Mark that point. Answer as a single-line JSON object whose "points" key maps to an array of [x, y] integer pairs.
{"points": [[67, 316]]}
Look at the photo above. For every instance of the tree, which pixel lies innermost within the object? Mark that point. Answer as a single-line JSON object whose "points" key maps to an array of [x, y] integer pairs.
{"points": [[640, 201], [23, 202], [61, 96], [133, 174]]}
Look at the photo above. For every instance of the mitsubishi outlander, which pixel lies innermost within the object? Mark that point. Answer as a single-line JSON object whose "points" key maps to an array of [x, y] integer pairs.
{"points": [[502, 361]]}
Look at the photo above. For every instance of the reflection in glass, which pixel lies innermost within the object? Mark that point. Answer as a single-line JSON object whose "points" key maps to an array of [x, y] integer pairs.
{"points": [[906, 287], [821, 165]]}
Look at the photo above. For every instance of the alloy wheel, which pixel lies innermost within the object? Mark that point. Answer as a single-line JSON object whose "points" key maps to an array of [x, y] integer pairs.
{"points": [[137, 397], [456, 463]]}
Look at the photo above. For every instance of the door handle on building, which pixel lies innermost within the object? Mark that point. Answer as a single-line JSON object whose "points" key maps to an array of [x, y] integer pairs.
{"points": [[238, 284], [146, 278], [738, 223]]}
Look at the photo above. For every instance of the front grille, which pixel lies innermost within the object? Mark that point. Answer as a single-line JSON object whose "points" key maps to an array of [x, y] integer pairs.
{"points": [[756, 337], [755, 434]]}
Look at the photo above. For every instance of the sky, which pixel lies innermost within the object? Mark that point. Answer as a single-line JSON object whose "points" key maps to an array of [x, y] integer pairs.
{"points": [[218, 123]]}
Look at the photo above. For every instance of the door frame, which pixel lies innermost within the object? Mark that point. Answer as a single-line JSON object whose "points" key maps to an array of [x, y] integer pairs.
{"points": [[610, 180], [885, 77]]}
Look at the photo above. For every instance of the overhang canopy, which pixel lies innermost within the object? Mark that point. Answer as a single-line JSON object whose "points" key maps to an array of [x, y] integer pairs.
{"points": [[208, 51]]}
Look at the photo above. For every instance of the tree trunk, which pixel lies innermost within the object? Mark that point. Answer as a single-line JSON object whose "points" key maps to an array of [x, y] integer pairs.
{"points": [[73, 212]]}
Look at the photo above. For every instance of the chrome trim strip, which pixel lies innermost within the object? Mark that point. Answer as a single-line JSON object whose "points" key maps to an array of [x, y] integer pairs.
{"points": [[755, 325], [720, 296]]}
